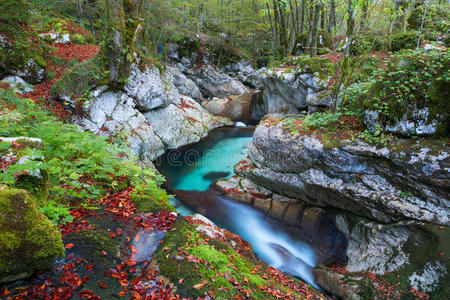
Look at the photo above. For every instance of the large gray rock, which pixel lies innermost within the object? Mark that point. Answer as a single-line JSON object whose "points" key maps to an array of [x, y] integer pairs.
{"points": [[179, 125], [212, 83], [150, 89], [242, 67], [237, 108], [185, 85], [18, 84], [384, 185], [417, 122], [290, 91], [112, 112], [254, 79], [412, 252]]}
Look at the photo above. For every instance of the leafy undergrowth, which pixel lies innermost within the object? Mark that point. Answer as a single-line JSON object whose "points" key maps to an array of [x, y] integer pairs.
{"points": [[222, 267], [80, 165], [63, 58]]}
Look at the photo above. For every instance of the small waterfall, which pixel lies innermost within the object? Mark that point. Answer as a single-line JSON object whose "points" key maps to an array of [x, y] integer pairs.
{"points": [[272, 245]]}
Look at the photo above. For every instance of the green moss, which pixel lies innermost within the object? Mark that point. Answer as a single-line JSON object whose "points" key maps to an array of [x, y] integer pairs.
{"points": [[29, 241], [93, 244], [78, 39], [220, 258], [405, 40], [40, 61], [145, 203]]}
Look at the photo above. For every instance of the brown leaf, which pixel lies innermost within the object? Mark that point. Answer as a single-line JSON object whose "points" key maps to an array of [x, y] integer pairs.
{"points": [[200, 285]]}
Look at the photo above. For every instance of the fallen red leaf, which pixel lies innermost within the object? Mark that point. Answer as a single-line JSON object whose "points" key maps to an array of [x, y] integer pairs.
{"points": [[69, 246]]}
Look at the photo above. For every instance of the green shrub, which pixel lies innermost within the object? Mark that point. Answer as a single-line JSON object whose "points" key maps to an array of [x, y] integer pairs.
{"points": [[79, 79], [364, 43], [405, 40], [13, 12], [78, 39], [411, 78]]}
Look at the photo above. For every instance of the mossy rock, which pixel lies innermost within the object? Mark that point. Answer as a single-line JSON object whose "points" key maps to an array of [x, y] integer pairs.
{"points": [[28, 240], [405, 40], [147, 204], [364, 43], [35, 183], [221, 266], [96, 246], [218, 254]]}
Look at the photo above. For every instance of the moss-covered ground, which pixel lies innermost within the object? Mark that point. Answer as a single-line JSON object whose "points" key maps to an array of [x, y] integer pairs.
{"points": [[199, 266]]}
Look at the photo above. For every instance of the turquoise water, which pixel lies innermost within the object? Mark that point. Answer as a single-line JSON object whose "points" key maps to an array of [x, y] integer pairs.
{"points": [[191, 171], [221, 158]]}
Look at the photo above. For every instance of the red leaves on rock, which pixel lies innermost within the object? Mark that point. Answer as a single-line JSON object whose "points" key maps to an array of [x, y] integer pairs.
{"points": [[185, 105]]}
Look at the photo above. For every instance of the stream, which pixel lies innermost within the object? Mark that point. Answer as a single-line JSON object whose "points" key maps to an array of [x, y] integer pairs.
{"points": [[191, 171]]}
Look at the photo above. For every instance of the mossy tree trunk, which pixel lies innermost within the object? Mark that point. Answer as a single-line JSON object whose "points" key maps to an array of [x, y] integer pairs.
{"points": [[123, 25], [314, 30]]}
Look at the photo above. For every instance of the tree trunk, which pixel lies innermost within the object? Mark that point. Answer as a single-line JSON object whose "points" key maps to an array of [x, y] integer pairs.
{"points": [[308, 44], [314, 30], [123, 25], [332, 17], [364, 17], [350, 27], [272, 27], [302, 25]]}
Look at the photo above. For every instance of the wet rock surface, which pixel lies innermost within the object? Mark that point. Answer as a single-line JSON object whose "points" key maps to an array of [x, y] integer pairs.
{"points": [[289, 91], [237, 108], [212, 83]]}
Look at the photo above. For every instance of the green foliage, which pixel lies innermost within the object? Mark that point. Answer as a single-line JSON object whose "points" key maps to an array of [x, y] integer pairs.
{"points": [[57, 213], [25, 46], [77, 81], [14, 12], [377, 138], [365, 43], [405, 40], [411, 78], [436, 21], [79, 164], [78, 39], [321, 120]]}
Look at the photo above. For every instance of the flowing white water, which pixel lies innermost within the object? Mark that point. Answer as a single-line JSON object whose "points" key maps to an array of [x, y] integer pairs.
{"points": [[272, 245], [270, 241]]}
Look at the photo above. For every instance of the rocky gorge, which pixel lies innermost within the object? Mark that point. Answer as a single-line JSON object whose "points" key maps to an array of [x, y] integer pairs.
{"points": [[366, 189]]}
